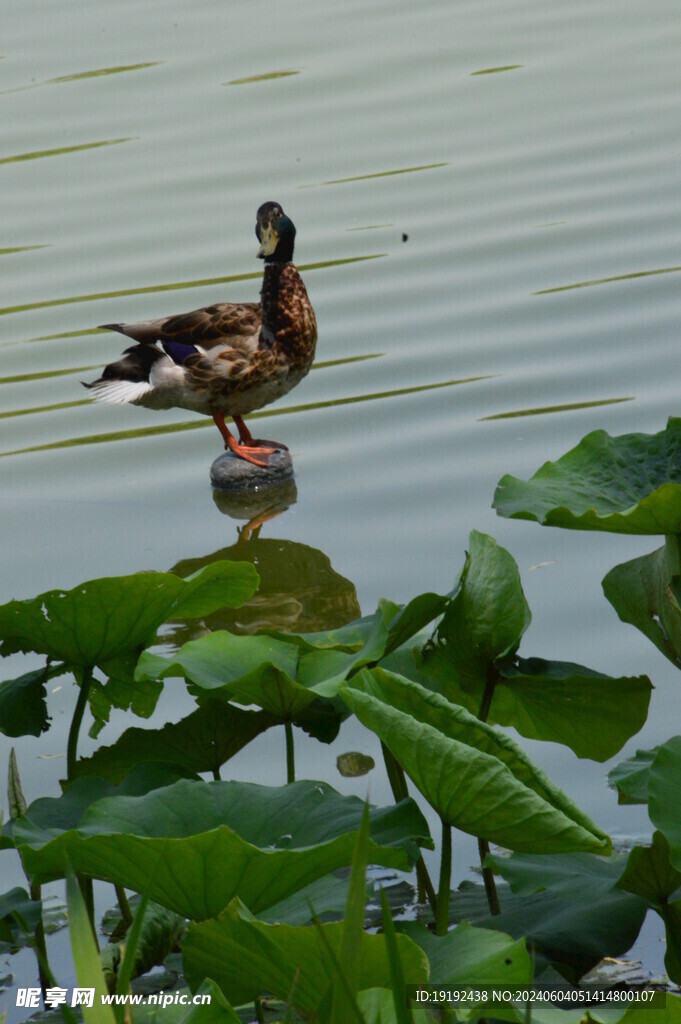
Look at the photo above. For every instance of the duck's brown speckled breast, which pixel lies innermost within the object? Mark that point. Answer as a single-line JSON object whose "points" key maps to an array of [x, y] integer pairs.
{"points": [[289, 322]]}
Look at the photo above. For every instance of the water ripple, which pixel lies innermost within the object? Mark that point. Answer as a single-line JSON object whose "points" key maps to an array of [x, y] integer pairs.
{"points": [[378, 174], [608, 280], [38, 154], [20, 248], [21, 378], [542, 410], [266, 77], [495, 71], [176, 285], [173, 428], [96, 73]]}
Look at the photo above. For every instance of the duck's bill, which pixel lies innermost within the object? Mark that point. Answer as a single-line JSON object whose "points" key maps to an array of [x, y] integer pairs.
{"points": [[268, 243]]}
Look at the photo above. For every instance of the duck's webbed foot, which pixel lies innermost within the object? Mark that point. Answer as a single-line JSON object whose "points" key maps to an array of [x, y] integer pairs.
{"points": [[261, 442], [256, 452], [247, 439]]}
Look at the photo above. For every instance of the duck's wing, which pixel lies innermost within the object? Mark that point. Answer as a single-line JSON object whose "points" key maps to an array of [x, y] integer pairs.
{"points": [[222, 324]]}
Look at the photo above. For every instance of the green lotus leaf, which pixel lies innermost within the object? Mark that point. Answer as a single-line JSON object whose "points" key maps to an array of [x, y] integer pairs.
{"points": [[107, 618], [284, 674], [484, 621], [124, 694], [216, 1011], [248, 957], [23, 702], [555, 701], [202, 742], [476, 778], [591, 713], [671, 915], [664, 787], [472, 956], [570, 906], [19, 917], [630, 777], [626, 484], [327, 896], [567, 905], [375, 636], [53, 815], [641, 592], [328, 657], [377, 1006], [247, 669], [193, 846], [649, 873]]}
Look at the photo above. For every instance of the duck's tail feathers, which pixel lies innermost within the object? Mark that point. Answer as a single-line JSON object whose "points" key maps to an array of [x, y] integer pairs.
{"points": [[118, 392]]}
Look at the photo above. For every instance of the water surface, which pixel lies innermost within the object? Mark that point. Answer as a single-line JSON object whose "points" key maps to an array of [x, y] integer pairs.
{"points": [[485, 198]]}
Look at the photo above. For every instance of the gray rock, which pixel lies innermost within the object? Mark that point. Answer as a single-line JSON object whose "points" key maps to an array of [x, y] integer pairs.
{"points": [[230, 473]]}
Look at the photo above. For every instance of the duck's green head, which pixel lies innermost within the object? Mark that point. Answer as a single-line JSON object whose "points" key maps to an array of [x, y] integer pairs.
{"points": [[276, 233]]}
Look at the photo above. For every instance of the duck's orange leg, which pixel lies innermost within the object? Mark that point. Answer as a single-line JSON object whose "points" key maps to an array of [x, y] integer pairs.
{"points": [[243, 451], [251, 442]]}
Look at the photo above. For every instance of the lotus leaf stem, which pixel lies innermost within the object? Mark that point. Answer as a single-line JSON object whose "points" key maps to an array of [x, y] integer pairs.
{"points": [[442, 913], [72, 745], [400, 791], [290, 752], [493, 676], [124, 906]]}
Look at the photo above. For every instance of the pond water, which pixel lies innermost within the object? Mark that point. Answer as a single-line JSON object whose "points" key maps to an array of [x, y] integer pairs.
{"points": [[485, 197]]}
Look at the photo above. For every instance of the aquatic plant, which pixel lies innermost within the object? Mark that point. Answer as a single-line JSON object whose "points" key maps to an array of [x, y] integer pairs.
{"points": [[248, 892]]}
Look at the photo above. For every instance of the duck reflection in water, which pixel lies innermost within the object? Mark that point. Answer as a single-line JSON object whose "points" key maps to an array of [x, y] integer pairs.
{"points": [[299, 589]]}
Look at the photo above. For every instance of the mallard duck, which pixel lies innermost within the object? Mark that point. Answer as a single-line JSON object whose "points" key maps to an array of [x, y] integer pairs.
{"points": [[227, 359]]}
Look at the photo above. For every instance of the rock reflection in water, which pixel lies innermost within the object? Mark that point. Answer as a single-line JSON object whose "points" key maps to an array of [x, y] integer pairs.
{"points": [[299, 590]]}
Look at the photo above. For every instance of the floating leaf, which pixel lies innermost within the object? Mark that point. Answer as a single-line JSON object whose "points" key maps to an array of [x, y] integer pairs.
{"points": [[353, 764], [626, 484], [106, 618], [193, 846], [477, 779], [246, 958], [630, 777]]}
